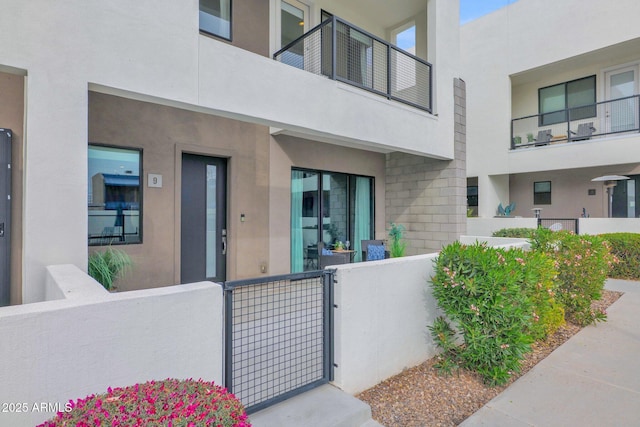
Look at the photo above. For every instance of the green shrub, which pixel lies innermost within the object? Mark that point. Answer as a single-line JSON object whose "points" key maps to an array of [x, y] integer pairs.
{"points": [[540, 286], [445, 338], [626, 248], [583, 263], [397, 244], [480, 290], [524, 233], [107, 266]]}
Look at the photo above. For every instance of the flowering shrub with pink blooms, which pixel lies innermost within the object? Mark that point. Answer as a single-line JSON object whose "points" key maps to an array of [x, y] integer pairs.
{"points": [[540, 284], [481, 290], [626, 248], [167, 403], [583, 263]]}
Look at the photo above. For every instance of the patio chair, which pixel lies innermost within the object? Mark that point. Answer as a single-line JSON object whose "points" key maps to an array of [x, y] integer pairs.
{"points": [[556, 226], [377, 250], [325, 260], [311, 257], [544, 137], [327, 257], [585, 130]]}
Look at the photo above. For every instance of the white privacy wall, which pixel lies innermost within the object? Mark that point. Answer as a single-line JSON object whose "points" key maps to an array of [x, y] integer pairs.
{"points": [[609, 225], [65, 349], [383, 310], [486, 226]]}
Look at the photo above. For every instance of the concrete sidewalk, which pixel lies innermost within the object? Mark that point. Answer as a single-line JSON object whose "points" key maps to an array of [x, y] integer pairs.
{"points": [[591, 380]]}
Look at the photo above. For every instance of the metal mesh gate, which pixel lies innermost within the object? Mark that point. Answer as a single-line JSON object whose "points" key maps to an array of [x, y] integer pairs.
{"points": [[557, 224], [278, 336]]}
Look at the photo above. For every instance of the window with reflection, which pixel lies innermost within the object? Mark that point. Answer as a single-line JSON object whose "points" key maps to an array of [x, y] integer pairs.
{"points": [[114, 197], [328, 207], [215, 17], [577, 96], [542, 193]]}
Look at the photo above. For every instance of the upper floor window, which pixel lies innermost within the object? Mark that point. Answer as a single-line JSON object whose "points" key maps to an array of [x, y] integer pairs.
{"points": [[215, 17], [405, 37], [553, 101], [114, 195]]}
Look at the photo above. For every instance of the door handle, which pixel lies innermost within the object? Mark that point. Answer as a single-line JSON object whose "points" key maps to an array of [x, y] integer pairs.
{"points": [[224, 242], [2, 229]]}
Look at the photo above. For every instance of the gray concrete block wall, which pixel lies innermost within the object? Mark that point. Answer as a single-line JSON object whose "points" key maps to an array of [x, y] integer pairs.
{"points": [[429, 196]]}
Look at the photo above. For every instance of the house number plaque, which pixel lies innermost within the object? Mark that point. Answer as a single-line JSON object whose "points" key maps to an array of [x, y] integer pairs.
{"points": [[154, 180]]}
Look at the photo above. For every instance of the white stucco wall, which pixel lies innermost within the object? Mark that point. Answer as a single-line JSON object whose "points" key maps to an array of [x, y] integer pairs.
{"points": [[313, 106], [496, 241], [382, 314], [609, 225], [153, 51], [383, 310], [66, 349], [486, 226]]}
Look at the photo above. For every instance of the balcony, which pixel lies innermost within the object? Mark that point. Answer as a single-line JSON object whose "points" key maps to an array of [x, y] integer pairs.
{"points": [[341, 51], [617, 116]]}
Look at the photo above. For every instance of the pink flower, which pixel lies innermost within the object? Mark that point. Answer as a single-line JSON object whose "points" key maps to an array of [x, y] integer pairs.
{"points": [[186, 402]]}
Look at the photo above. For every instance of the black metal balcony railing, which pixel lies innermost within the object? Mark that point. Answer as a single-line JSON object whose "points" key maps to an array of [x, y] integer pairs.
{"points": [[577, 124], [344, 52]]}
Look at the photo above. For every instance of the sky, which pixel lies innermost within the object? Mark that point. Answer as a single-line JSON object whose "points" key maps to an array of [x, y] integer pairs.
{"points": [[472, 9], [469, 10]]}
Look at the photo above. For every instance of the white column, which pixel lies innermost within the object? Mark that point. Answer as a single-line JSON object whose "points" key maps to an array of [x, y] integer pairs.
{"points": [[55, 199], [492, 190]]}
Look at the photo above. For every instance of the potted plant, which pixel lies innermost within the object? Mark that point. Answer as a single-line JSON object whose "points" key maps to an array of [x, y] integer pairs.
{"points": [[107, 266], [530, 138], [397, 245]]}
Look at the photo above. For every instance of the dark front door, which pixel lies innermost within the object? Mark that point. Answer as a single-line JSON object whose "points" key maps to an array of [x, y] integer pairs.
{"points": [[204, 219], [5, 215]]}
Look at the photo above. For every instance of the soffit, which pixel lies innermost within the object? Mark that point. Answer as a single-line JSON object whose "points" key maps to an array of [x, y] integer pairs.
{"points": [[384, 12], [613, 55]]}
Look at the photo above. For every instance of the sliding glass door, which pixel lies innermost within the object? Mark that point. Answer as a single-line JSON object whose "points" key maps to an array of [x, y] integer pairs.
{"points": [[328, 207]]}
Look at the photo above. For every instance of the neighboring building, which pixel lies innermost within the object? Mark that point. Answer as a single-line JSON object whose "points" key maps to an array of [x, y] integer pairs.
{"points": [[567, 69], [171, 129]]}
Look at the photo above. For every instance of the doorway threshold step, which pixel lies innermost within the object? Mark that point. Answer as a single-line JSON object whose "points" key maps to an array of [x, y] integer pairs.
{"points": [[325, 406]]}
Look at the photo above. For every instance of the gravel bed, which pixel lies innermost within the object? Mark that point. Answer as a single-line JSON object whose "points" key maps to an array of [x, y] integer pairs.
{"points": [[419, 397]]}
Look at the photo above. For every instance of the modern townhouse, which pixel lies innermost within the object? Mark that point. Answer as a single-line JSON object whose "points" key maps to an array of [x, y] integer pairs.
{"points": [[553, 103], [224, 139]]}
